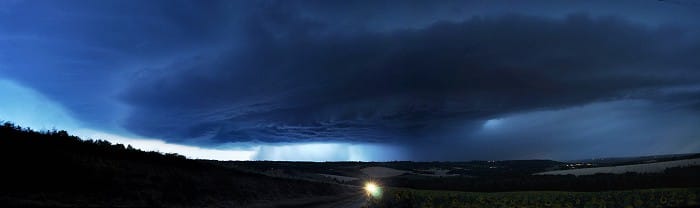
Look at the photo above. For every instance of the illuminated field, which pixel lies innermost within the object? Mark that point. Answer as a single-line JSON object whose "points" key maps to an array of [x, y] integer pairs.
{"points": [[632, 198]]}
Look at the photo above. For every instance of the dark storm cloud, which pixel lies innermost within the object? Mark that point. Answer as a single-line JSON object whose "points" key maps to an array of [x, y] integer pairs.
{"points": [[294, 80], [75, 52], [433, 77], [603, 129]]}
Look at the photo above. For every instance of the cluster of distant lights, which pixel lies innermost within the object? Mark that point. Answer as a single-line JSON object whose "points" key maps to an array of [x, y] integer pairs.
{"points": [[578, 165]]}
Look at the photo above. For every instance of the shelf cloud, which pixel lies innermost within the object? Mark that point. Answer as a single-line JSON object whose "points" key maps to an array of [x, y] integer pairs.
{"points": [[455, 81]]}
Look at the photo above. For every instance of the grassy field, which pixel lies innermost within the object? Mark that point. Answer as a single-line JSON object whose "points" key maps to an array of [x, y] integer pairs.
{"points": [[395, 197]]}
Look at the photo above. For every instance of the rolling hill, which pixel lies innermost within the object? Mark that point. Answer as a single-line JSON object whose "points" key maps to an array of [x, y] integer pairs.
{"points": [[55, 169]]}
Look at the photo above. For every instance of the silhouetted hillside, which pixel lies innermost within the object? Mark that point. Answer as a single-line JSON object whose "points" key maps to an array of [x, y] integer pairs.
{"points": [[56, 169]]}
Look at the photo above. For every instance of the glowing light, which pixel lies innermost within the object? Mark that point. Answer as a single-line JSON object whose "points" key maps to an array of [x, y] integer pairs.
{"points": [[372, 189]]}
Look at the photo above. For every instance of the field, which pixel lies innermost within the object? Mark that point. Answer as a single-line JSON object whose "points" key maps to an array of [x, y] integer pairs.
{"points": [[657, 167], [382, 172], [97, 173], [398, 197]]}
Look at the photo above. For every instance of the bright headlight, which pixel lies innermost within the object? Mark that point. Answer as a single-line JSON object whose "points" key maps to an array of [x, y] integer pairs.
{"points": [[372, 189]]}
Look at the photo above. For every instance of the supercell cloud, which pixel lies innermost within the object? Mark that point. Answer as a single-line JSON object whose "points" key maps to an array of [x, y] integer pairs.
{"points": [[455, 81]]}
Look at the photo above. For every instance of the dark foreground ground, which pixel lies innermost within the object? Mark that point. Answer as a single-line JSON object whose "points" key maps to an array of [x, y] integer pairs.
{"points": [[54, 169]]}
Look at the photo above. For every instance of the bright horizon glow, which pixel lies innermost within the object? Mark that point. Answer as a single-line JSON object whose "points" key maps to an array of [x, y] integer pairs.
{"points": [[314, 152], [29, 108]]}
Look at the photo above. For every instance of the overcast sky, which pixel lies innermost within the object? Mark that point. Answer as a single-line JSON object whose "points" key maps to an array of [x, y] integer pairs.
{"points": [[359, 80]]}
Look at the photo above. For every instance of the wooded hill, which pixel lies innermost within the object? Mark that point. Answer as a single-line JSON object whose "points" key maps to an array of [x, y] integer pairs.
{"points": [[54, 168]]}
